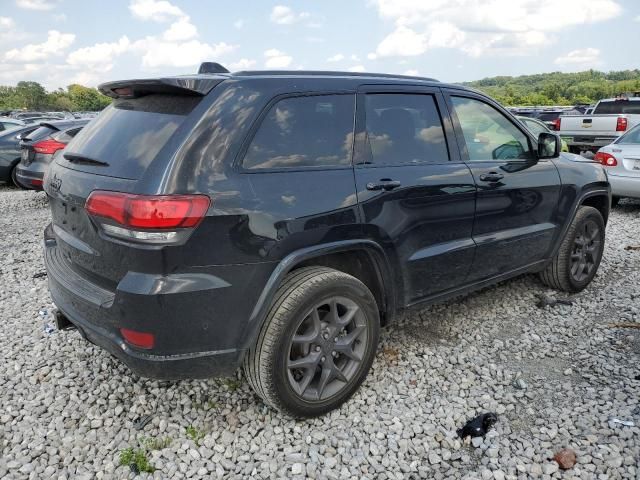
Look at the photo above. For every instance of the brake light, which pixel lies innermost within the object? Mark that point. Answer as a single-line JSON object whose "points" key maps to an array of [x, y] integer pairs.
{"points": [[606, 159], [48, 147], [138, 339], [153, 218], [555, 124], [621, 124]]}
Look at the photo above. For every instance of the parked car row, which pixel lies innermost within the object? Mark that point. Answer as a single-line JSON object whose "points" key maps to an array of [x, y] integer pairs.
{"points": [[27, 150], [610, 119]]}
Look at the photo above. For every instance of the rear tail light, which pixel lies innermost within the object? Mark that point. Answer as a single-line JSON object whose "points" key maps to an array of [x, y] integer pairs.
{"points": [[48, 147], [606, 159], [138, 339], [621, 124], [555, 124], [147, 218]]}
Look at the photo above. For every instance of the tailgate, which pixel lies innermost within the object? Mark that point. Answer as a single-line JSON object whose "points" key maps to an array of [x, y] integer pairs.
{"points": [[100, 261], [588, 125]]}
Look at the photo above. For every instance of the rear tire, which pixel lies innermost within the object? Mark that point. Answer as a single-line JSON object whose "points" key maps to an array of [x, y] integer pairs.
{"points": [[578, 258], [317, 343]]}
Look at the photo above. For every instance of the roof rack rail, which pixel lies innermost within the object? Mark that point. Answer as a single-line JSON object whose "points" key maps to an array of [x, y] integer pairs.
{"points": [[327, 73], [211, 67]]}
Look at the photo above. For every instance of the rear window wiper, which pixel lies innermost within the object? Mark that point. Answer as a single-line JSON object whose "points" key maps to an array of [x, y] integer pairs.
{"points": [[75, 158]]}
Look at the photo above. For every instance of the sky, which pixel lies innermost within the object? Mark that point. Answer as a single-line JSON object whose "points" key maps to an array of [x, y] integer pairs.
{"points": [[59, 42]]}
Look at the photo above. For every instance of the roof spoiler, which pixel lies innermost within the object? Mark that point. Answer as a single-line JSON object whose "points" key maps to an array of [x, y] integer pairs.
{"points": [[183, 85]]}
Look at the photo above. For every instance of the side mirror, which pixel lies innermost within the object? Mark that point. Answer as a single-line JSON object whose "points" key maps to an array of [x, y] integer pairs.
{"points": [[548, 145]]}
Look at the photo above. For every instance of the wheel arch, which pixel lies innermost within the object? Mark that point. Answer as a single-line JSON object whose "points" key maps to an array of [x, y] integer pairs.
{"points": [[363, 259]]}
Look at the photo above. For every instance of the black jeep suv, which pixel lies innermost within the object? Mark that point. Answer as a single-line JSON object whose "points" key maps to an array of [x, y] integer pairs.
{"points": [[275, 220]]}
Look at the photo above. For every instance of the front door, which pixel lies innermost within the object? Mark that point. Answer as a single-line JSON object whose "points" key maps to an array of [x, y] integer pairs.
{"points": [[518, 194], [415, 194]]}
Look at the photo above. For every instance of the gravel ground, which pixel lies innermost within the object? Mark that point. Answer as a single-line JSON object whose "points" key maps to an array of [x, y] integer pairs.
{"points": [[556, 377]]}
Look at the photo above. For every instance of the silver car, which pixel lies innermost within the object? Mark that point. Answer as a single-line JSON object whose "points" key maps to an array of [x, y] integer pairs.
{"points": [[622, 161]]}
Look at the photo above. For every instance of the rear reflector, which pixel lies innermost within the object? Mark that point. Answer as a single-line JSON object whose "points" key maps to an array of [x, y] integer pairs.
{"points": [[48, 147], [36, 182], [138, 339], [621, 124], [555, 124], [606, 159]]}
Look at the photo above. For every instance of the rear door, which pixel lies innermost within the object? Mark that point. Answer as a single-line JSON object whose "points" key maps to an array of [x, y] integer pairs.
{"points": [[517, 198], [416, 195]]}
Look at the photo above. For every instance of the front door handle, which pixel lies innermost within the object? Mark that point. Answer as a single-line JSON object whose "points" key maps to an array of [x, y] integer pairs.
{"points": [[491, 177], [384, 184]]}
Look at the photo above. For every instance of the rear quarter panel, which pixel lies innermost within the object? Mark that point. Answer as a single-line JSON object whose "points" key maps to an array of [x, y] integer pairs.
{"points": [[580, 177]]}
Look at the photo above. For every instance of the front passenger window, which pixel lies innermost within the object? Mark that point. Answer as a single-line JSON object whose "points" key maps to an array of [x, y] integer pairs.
{"points": [[488, 134]]}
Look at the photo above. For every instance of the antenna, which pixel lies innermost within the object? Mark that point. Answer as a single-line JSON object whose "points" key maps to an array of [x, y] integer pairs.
{"points": [[212, 67]]}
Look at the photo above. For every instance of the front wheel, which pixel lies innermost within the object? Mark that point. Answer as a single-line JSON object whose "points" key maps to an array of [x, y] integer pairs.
{"points": [[317, 343], [580, 253]]}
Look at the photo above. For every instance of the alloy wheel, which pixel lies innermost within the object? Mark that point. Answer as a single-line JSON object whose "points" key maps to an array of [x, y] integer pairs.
{"points": [[586, 250], [327, 348]]}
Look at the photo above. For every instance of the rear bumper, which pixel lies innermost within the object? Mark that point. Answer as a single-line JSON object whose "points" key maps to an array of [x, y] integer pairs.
{"points": [[587, 141], [625, 186], [30, 178], [198, 327]]}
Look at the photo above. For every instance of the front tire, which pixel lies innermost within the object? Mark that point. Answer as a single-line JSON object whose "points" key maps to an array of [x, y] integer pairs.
{"points": [[578, 258], [317, 343]]}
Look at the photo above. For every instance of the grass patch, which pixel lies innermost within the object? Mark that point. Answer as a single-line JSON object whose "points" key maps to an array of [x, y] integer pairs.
{"points": [[136, 460], [152, 443], [194, 434], [232, 384]]}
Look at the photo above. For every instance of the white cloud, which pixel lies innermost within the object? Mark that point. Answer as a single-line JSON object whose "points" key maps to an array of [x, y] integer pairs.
{"points": [[180, 30], [99, 57], [582, 57], [402, 42], [36, 4], [159, 53], [239, 24], [6, 23], [372, 56], [503, 27], [283, 15], [336, 58], [242, 64], [357, 68], [277, 59], [55, 44], [156, 10]]}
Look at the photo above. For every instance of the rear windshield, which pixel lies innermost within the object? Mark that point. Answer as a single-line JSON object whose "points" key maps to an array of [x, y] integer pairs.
{"points": [[38, 133], [128, 134], [617, 106]]}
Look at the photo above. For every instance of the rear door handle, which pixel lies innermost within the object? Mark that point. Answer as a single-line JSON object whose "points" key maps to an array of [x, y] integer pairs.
{"points": [[383, 184], [491, 177]]}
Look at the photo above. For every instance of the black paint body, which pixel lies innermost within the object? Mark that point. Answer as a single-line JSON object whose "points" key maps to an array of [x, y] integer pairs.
{"points": [[440, 233]]}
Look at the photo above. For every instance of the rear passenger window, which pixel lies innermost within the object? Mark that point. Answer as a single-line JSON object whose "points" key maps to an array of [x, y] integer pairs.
{"points": [[300, 132], [404, 129]]}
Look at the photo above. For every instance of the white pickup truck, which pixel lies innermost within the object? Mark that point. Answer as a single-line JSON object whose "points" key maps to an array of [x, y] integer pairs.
{"points": [[610, 118]]}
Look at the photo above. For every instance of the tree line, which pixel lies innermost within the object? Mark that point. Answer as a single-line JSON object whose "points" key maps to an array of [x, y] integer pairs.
{"points": [[542, 89], [33, 96], [559, 88]]}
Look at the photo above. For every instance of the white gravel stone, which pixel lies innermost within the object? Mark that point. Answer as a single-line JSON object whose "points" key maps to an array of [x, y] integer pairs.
{"points": [[68, 407]]}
